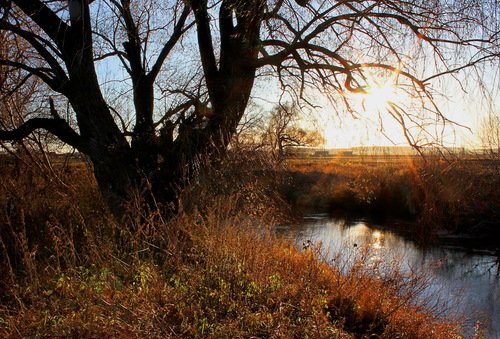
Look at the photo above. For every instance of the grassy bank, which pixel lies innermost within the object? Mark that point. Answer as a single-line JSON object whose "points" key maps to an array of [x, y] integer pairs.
{"points": [[457, 196], [67, 269]]}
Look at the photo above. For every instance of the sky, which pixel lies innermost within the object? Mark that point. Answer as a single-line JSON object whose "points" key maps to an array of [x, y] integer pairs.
{"points": [[467, 110], [464, 102], [371, 126], [461, 101]]}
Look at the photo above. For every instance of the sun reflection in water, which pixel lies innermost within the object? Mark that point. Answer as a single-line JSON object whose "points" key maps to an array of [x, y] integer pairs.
{"points": [[378, 240]]}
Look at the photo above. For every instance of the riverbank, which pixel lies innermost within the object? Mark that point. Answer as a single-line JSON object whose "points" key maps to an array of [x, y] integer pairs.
{"points": [[465, 281], [214, 271], [431, 199]]}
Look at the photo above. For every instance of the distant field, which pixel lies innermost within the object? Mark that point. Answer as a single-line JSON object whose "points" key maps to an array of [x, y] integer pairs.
{"points": [[325, 162]]}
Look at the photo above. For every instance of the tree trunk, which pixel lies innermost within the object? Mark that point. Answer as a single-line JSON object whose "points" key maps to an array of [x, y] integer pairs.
{"points": [[151, 168]]}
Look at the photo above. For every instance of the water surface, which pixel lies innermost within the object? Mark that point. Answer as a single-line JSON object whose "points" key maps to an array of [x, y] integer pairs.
{"points": [[462, 282]]}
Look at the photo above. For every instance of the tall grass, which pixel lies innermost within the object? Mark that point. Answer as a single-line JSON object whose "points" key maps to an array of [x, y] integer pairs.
{"points": [[214, 271], [456, 195]]}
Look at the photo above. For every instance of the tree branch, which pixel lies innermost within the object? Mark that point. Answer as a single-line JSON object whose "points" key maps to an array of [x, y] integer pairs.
{"points": [[120, 54], [133, 45], [42, 73], [46, 19], [34, 41], [176, 35], [205, 44], [58, 127], [457, 69], [414, 79]]}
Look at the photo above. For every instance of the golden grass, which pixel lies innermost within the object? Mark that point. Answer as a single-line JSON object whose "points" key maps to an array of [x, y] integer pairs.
{"points": [[213, 272], [456, 195]]}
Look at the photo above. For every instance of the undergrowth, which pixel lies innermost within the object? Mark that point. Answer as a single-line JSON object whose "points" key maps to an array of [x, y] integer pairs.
{"points": [[214, 271]]}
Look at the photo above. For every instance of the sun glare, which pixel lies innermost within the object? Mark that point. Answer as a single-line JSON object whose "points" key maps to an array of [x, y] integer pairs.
{"points": [[377, 97], [372, 125]]}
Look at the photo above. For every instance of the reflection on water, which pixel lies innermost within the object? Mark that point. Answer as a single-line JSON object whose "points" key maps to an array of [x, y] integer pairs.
{"points": [[466, 282]]}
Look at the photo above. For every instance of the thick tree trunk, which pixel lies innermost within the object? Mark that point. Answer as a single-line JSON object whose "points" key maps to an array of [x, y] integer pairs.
{"points": [[116, 183], [151, 168]]}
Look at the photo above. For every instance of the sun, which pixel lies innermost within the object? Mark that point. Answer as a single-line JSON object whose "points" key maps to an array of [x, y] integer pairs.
{"points": [[377, 97], [372, 120]]}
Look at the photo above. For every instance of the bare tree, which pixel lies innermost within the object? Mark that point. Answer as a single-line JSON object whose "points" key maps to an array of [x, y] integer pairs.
{"points": [[251, 128], [283, 132], [490, 134], [200, 59], [18, 99]]}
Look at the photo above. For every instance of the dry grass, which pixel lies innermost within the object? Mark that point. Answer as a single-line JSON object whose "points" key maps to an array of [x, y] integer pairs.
{"points": [[213, 272], [458, 195]]}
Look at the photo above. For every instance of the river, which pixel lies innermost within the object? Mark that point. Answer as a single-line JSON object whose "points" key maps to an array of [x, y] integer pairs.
{"points": [[461, 282]]}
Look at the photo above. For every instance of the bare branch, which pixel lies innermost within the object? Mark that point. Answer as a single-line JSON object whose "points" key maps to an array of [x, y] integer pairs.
{"points": [[57, 127], [179, 30], [35, 41], [43, 73], [133, 45], [467, 65], [205, 43], [46, 19]]}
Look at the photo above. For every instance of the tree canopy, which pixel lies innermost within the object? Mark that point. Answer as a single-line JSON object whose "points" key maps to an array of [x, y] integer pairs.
{"points": [[151, 90]]}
